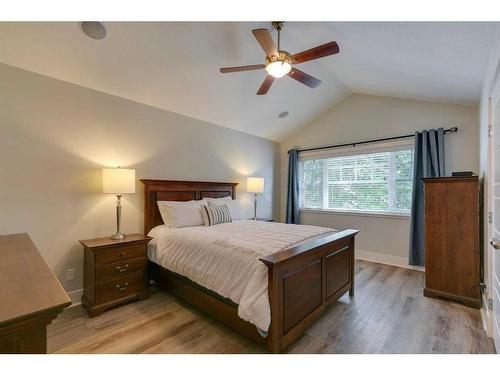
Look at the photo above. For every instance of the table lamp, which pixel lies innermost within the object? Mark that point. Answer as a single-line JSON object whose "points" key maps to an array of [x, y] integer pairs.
{"points": [[118, 181], [255, 185]]}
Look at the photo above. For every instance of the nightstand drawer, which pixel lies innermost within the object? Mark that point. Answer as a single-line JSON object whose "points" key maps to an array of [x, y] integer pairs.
{"points": [[113, 254], [117, 289], [107, 272]]}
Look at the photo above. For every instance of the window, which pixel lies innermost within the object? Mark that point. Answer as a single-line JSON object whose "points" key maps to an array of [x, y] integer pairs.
{"points": [[379, 181]]}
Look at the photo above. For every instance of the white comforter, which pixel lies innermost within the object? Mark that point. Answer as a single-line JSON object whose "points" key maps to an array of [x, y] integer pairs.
{"points": [[225, 259]]}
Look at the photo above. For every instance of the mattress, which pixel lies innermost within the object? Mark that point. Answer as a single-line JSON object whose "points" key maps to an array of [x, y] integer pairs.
{"points": [[225, 258]]}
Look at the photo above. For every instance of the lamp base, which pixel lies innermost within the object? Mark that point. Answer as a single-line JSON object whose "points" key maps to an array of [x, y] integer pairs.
{"points": [[255, 207], [118, 236]]}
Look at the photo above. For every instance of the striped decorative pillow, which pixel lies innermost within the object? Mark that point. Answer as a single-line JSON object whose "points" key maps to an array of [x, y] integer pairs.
{"points": [[214, 215]]}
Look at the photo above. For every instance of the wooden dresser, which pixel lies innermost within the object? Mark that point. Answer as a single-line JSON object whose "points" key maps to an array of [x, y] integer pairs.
{"points": [[30, 296], [115, 271], [452, 259]]}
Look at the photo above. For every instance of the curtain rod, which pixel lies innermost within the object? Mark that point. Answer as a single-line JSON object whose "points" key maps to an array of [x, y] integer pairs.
{"points": [[354, 144]]}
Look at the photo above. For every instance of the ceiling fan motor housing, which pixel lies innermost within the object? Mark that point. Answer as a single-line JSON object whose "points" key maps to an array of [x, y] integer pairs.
{"points": [[284, 56]]}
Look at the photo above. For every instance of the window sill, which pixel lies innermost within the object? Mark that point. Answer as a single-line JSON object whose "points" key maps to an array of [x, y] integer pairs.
{"points": [[373, 214]]}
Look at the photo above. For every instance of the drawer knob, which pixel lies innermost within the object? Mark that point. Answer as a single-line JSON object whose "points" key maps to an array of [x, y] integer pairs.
{"points": [[122, 269], [124, 287], [122, 253]]}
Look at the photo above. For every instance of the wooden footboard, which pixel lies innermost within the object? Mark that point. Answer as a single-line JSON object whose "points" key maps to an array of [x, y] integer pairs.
{"points": [[304, 280]]}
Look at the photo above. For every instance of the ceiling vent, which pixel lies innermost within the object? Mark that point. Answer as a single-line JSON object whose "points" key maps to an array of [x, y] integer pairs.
{"points": [[94, 30]]}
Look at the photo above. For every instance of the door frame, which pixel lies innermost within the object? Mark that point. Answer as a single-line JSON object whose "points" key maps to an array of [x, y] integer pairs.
{"points": [[493, 100], [488, 189]]}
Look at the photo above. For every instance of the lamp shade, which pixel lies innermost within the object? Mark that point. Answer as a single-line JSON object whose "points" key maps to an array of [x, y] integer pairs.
{"points": [[255, 184], [118, 181]]}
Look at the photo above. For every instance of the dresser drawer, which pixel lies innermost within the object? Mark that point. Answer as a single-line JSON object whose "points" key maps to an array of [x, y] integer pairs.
{"points": [[107, 272], [113, 255], [120, 288]]}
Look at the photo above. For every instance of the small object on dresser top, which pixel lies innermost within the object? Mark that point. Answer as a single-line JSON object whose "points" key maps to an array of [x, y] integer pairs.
{"points": [[463, 174], [115, 271]]}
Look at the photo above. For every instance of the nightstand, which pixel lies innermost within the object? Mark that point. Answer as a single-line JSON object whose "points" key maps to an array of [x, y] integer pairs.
{"points": [[115, 271]]}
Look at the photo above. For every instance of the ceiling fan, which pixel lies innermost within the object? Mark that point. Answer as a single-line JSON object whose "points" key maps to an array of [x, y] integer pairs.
{"points": [[279, 63]]}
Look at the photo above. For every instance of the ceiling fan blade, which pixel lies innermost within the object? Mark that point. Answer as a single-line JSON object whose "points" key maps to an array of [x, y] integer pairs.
{"points": [[266, 85], [244, 68], [315, 53], [265, 40], [304, 78]]}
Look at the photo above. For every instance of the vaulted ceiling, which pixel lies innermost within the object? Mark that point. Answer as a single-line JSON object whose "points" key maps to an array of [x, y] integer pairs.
{"points": [[174, 65]]}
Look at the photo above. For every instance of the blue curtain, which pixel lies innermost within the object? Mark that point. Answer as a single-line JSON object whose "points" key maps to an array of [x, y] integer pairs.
{"points": [[292, 202], [428, 162]]}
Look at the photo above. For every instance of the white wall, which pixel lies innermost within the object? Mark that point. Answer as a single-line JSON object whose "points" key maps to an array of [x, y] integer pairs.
{"points": [[491, 72], [55, 137], [364, 117]]}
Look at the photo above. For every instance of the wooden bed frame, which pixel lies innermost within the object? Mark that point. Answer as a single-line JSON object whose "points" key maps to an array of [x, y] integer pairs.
{"points": [[303, 280]]}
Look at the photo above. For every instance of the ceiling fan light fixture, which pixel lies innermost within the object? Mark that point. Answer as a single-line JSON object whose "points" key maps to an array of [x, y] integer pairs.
{"points": [[278, 68]]}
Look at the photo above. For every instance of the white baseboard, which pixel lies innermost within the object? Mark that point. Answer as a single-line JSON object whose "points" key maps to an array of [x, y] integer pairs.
{"points": [[385, 259], [486, 317], [76, 297]]}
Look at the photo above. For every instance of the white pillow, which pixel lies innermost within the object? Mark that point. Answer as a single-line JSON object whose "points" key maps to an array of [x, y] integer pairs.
{"points": [[220, 200], [181, 214], [235, 207]]}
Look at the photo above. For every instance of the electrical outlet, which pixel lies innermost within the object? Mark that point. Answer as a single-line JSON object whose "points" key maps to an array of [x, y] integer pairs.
{"points": [[70, 274]]}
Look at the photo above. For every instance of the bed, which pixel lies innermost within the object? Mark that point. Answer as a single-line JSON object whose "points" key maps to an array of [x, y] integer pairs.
{"points": [[302, 280]]}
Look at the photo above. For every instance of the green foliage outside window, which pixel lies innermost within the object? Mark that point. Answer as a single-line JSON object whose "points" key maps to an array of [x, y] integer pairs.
{"points": [[371, 182]]}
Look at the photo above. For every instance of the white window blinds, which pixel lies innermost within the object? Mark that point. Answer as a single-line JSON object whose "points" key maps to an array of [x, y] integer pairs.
{"points": [[379, 181]]}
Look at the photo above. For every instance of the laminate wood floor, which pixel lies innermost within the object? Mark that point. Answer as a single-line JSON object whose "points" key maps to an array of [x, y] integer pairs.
{"points": [[389, 314]]}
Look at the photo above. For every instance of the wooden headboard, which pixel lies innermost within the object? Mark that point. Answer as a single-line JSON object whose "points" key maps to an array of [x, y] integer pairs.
{"points": [[164, 190]]}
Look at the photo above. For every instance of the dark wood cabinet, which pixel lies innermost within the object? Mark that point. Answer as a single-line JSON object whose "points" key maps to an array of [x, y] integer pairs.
{"points": [[30, 297], [452, 260], [115, 271]]}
